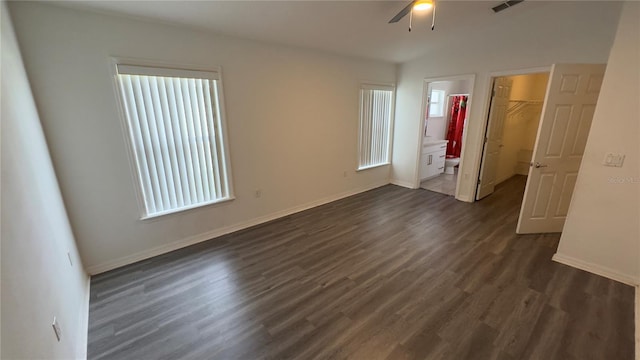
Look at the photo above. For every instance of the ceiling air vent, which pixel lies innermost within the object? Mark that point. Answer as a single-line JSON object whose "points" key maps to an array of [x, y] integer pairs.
{"points": [[506, 5]]}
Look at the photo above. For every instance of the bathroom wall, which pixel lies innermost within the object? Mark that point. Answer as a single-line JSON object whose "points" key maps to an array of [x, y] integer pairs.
{"points": [[437, 126], [520, 128]]}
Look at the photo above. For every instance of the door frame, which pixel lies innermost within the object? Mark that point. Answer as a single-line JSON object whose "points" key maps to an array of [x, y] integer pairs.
{"points": [[423, 113], [487, 106]]}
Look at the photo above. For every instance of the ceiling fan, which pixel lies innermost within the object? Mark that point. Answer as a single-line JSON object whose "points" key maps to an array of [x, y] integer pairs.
{"points": [[421, 5]]}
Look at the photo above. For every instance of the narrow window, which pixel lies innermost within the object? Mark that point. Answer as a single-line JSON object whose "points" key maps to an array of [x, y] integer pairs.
{"points": [[436, 103], [376, 111], [176, 130]]}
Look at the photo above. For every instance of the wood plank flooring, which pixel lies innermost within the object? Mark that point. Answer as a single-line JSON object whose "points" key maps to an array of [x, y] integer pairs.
{"points": [[387, 274], [443, 184]]}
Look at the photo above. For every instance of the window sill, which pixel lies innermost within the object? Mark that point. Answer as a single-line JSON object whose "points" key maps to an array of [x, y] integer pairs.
{"points": [[183, 209], [373, 166]]}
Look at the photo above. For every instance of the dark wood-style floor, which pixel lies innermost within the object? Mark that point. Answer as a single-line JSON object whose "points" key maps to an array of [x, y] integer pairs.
{"points": [[388, 274]]}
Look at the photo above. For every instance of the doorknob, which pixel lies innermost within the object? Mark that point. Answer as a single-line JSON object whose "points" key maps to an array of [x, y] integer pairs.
{"points": [[538, 165]]}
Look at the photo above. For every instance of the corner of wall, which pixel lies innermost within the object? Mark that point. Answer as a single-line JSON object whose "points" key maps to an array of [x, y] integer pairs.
{"points": [[83, 326], [405, 184]]}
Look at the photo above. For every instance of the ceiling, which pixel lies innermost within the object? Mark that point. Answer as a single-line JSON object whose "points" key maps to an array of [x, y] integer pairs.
{"points": [[354, 28]]}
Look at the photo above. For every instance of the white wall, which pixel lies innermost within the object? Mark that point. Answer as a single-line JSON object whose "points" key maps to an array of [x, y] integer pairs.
{"points": [[529, 87], [292, 118], [437, 125], [602, 231], [569, 32], [38, 281]]}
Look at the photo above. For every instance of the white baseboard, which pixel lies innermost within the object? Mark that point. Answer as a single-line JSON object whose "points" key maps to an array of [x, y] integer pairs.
{"points": [[402, 183], [130, 259], [596, 269], [465, 198]]}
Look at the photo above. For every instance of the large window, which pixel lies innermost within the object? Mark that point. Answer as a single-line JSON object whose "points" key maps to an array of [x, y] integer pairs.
{"points": [[176, 129], [376, 114]]}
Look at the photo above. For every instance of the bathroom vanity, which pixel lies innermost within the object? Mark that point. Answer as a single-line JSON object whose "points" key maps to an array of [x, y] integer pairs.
{"points": [[432, 158]]}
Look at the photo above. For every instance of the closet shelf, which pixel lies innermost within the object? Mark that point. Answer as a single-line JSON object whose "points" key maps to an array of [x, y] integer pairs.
{"points": [[520, 105]]}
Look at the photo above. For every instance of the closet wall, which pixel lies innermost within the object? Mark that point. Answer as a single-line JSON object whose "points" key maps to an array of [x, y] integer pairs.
{"points": [[521, 125]]}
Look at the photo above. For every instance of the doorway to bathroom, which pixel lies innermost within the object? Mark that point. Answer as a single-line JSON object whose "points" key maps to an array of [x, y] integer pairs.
{"points": [[446, 107]]}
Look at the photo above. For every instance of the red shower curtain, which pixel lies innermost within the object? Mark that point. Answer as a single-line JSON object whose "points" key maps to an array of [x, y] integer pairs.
{"points": [[456, 126]]}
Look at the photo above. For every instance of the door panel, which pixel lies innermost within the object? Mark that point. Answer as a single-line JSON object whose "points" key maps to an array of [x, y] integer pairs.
{"points": [[565, 194], [541, 203], [569, 105], [493, 139], [584, 125]]}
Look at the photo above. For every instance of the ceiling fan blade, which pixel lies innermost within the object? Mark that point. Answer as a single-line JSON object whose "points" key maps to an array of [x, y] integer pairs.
{"points": [[402, 13]]}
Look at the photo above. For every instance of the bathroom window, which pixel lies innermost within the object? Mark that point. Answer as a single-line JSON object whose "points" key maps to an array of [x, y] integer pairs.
{"points": [[436, 103], [177, 135], [376, 115]]}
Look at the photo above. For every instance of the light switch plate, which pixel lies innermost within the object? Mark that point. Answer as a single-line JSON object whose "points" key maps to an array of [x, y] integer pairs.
{"points": [[615, 160]]}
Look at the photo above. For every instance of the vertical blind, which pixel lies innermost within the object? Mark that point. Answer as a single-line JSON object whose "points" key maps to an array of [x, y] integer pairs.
{"points": [[176, 132], [375, 126]]}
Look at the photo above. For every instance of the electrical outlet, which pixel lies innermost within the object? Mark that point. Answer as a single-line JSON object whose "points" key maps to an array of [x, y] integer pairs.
{"points": [[56, 329]]}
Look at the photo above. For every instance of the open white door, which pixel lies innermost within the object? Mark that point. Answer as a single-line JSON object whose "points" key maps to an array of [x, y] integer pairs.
{"points": [[493, 139], [569, 105]]}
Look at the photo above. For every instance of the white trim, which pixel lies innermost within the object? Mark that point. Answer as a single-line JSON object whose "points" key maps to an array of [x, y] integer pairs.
{"points": [[186, 208], [405, 184], [118, 65], [124, 126], [637, 322], [83, 327], [392, 113], [477, 162], [423, 111], [222, 114], [130, 259], [596, 269], [162, 64], [527, 71], [126, 69], [378, 86], [464, 198], [373, 166]]}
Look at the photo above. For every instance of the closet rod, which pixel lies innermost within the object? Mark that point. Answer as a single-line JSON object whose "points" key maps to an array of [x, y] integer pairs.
{"points": [[458, 94]]}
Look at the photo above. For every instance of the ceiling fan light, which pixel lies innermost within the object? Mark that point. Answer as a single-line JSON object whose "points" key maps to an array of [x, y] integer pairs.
{"points": [[423, 5]]}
